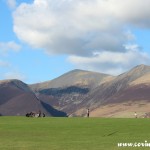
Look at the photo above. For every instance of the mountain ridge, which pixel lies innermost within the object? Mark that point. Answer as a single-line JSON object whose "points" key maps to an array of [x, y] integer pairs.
{"points": [[75, 91], [70, 78]]}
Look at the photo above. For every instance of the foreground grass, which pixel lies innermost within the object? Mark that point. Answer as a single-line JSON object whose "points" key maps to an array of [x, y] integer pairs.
{"points": [[21, 133]]}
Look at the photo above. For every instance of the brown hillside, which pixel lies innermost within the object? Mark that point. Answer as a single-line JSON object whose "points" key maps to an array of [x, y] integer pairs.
{"points": [[16, 98]]}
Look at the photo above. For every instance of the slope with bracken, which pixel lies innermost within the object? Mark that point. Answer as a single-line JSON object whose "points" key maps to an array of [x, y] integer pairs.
{"points": [[127, 93]]}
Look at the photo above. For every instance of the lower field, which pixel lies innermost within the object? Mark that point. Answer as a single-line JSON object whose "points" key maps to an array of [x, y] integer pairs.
{"points": [[21, 133]]}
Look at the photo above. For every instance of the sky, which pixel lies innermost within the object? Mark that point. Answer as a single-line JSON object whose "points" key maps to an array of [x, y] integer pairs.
{"points": [[43, 39]]}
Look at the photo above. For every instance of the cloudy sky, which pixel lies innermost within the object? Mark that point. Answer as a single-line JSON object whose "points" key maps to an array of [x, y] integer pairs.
{"points": [[42, 39]]}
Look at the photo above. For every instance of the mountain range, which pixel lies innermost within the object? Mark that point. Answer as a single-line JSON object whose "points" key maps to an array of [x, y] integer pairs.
{"points": [[76, 91]]}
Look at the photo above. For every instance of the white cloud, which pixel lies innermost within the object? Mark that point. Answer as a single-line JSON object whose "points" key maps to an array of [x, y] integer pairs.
{"points": [[110, 62], [135, 12], [72, 27], [92, 32], [11, 3], [5, 47], [4, 64], [9, 71], [79, 26], [14, 75]]}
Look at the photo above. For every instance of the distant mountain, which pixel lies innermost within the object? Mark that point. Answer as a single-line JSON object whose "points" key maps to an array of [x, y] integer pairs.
{"points": [[121, 83], [67, 92], [122, 96], [76, 77], [72, 93]]}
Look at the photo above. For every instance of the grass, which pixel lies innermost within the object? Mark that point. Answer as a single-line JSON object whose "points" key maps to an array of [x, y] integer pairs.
{"points": [[21, 133]]}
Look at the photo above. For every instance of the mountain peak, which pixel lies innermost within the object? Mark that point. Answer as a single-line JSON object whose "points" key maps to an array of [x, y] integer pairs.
{"points": [[75, 77], [9, 81], [88, 72], [140, 69], [135, 72], [16, 83], [79, 70], [142, 66]]}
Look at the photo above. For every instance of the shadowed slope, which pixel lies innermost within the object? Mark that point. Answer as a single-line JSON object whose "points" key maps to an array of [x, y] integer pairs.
{"points": [[16, 98]]}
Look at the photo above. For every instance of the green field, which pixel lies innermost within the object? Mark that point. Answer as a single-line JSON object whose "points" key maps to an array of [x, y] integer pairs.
{"points": [[21, 133]]}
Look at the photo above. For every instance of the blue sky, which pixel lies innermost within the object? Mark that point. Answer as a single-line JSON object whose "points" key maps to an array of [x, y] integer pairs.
{"points": [[29, 64], [42, 39]]}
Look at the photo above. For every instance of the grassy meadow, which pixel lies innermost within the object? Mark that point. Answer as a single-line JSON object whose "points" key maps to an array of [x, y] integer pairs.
{"points": [[21, 133]]}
